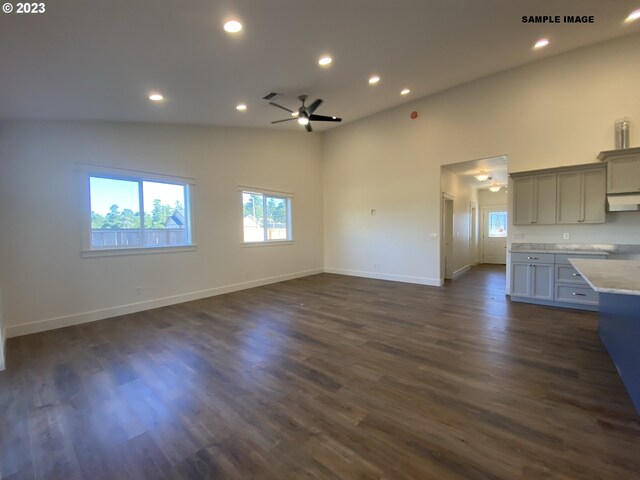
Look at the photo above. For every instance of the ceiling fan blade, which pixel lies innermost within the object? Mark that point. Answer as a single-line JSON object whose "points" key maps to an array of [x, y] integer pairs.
{"points": [[285, 120], [308, 127], [280, 106], [324, 118], [314, 106]]}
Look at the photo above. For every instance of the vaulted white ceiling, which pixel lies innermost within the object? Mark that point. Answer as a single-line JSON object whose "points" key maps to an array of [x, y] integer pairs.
{"points": [[99, 59]]}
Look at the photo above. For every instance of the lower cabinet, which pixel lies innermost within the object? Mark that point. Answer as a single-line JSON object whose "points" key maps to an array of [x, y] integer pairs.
{"points": [[532, 280], [549, 279], [532, 276]]}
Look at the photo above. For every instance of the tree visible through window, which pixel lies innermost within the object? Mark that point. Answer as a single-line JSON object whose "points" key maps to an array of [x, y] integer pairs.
{"points": [[138, 213], [265, 217], [497, 224]]}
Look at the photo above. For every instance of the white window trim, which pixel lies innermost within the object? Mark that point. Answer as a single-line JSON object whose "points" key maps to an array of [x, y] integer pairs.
{"points": [[89, 171], [288, 197]]}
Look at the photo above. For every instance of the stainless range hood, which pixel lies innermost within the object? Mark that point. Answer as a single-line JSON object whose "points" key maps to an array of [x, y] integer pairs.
{"points": [[625, 202]]}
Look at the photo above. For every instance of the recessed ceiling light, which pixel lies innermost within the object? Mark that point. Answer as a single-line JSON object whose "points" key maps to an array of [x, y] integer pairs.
{"points": [[405, 91], [324, 61], [543, 42], [232, 26], [374, 79], [635, 15], [241, 107], [156, 97]]}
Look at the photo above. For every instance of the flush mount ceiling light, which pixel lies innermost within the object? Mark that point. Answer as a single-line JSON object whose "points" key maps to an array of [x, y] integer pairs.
{"points": [[543, 42], [325, 61], [303, 120], [232, 26], [405, 91], [241, 107], [635, 15], [495, 187], [374, 80], [482, 176], [156, 97]]}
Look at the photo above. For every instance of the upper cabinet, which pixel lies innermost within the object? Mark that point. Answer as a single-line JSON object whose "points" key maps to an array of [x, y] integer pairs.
{"points": [[570, 195], [581, 196], [534, 199], [623, 170]]}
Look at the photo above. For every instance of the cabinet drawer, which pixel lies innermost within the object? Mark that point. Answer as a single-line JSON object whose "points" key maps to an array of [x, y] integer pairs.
{"points": [[563, 258], [576, 294], [532, 257], [568, 274]]}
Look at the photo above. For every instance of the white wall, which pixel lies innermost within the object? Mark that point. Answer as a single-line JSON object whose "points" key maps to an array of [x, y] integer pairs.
{"points": [[487, 198], [559, 111], [47, 283]]}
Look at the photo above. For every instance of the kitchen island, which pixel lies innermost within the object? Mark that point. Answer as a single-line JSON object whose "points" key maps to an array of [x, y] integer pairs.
{"points": [[618, 283]]}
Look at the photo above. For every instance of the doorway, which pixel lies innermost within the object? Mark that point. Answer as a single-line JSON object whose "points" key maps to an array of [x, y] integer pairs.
{"points": [[494, 235], [447, 235]]}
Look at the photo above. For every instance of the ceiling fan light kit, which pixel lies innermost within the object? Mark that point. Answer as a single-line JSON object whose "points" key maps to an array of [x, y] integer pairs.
{"points": [[305, 114]]}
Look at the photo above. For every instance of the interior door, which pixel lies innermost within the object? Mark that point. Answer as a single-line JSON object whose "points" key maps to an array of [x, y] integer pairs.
{"points": [[494, 235]]}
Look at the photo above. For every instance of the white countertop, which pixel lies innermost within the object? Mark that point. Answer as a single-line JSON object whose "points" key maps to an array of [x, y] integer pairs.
{"points": [[610, 276]]}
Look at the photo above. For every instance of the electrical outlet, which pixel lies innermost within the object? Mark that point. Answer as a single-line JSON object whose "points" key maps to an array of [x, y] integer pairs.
{"points": [[373, 211], [565, 236]]}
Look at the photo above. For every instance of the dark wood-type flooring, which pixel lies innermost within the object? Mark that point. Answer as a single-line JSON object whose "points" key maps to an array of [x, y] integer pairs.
{"points": [[324, 377]]}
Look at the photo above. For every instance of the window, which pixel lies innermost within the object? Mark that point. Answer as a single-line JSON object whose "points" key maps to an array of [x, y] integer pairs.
{"points": [[497, 224], [130, 211], [266, 217]]}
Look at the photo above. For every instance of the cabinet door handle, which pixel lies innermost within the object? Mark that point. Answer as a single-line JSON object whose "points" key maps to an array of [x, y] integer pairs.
{"points": [[576, 274], [533, 258], [579, 294]]}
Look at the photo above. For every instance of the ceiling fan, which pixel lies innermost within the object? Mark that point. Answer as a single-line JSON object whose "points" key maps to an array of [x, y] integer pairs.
{"points": [[305, 114]]}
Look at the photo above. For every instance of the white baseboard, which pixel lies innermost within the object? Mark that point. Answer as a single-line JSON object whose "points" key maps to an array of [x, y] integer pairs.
{"points": [[101, 314], [433, 282], [461, 271]]}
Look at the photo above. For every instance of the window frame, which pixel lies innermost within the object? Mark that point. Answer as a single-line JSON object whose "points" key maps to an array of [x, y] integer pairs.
{"points": [[287, 197], [506, 223], [99, 171]]}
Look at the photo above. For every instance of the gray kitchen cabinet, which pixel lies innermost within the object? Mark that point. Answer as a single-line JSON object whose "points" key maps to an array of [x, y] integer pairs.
{"points": [[549, 279], [534, 199], [532, 276], [520, 279], [570, 287], [624, 175], [581, 196], [623, 170], [542, 281]]}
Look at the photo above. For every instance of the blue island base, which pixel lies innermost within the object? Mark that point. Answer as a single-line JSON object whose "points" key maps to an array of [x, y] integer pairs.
{"points": [[619, 329]]}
